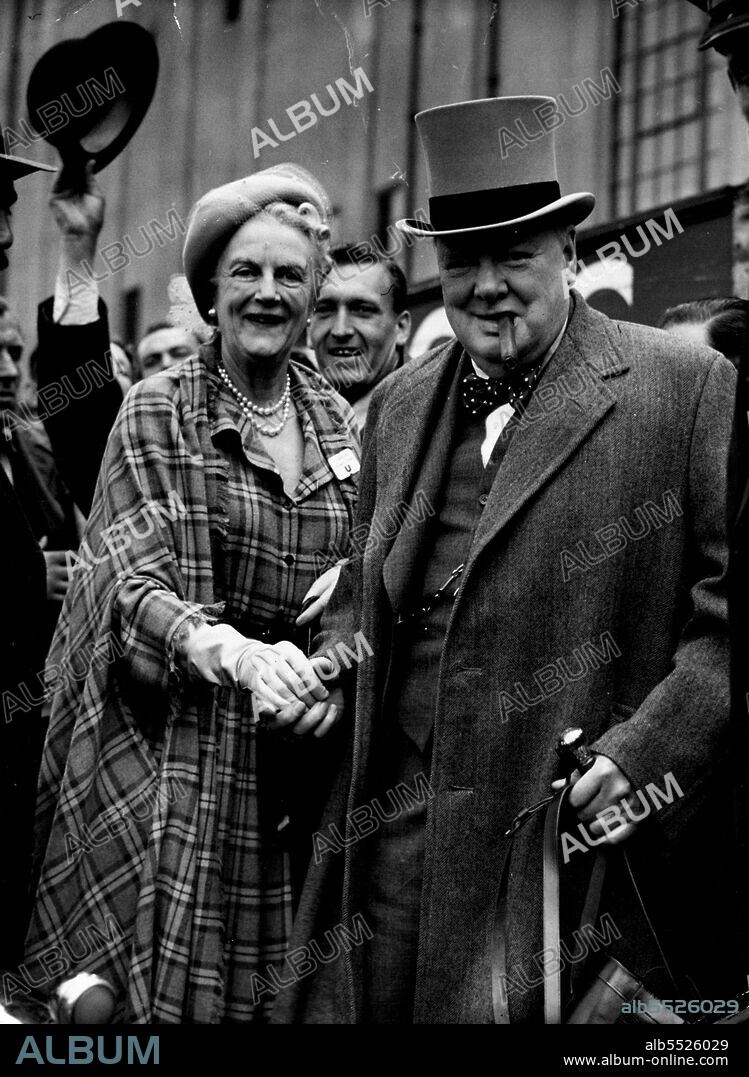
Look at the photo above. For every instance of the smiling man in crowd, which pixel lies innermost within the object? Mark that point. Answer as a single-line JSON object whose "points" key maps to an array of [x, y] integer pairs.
{"points": [[543, 424], [163, 345], [360, 327]]}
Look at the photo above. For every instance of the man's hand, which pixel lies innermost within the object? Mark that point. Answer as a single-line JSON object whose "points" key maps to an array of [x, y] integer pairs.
{"points": [[603, 786], [79, 215], [57, 575], [319, 594], [281, 677], [318, 719]]}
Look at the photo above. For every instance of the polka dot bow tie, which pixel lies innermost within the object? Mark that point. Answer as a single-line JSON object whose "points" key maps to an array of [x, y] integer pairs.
{"points": [[483, 395]]}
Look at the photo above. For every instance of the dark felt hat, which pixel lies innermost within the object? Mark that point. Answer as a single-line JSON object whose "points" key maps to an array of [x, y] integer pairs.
{"points": [[88, 96], [726, 17]]}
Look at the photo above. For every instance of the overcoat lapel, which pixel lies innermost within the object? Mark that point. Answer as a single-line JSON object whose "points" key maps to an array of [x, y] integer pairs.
{"points": [[415, 446], [548, 438]]}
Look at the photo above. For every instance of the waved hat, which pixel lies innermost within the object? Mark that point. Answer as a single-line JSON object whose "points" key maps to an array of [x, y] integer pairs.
{"points": [[88, 96], [491, 164], [221, 212], [726, 17]]}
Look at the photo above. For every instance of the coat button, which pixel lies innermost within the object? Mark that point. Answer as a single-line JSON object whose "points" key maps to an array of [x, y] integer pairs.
{"points": [[289, 559], [483, 499]]}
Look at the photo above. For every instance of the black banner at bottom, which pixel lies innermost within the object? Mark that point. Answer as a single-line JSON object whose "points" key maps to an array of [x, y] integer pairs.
{"points": [[555, 1049]]}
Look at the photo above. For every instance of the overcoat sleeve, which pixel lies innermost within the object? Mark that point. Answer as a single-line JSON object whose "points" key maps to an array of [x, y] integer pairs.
{"points": [[79, 397], [343, 615], [680, 728]]}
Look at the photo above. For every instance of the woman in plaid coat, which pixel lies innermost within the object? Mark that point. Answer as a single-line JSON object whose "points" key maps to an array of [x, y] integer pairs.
{"points": [[224, 480]]}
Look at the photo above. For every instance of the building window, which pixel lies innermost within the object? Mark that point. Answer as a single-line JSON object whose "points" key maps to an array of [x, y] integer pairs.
{"points": [[386, 214], [668, 112], [131, 305], [233, 10]]}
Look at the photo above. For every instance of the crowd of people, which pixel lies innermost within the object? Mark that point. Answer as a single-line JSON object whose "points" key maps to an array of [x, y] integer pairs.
{"points": [[192, 622]]}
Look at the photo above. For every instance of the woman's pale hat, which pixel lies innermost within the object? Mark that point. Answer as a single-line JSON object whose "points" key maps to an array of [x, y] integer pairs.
{"points": [[221, 212]]}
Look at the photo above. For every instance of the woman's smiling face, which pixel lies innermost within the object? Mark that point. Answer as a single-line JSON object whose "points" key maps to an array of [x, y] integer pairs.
{"points": [[264, 290]]}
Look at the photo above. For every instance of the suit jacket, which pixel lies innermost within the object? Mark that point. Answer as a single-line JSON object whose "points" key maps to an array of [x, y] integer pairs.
{"points": [[23, 601], [47, 505], [78, 395], [573, 610]]}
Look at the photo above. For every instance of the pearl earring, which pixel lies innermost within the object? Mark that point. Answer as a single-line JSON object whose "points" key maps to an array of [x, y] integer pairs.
{"points": [[212, 312]]}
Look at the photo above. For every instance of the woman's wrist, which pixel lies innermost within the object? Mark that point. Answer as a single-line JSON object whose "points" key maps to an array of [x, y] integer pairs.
{"points": [[213, 653]]}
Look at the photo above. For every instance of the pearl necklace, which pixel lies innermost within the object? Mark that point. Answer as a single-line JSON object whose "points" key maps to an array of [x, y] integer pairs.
{"points": [[251, 411]]}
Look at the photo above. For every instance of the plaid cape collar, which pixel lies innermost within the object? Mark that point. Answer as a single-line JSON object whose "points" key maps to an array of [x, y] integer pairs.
{"points": [[320, 410]]}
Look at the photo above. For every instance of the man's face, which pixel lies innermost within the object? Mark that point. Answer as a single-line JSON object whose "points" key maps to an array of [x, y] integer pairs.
{"points": [[164, 348], [7, 198], [11, 349], [487, 275], [354, 329]]}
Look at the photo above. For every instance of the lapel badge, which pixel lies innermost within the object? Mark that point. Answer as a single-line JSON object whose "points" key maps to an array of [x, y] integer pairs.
{"points": [[344, 464]]}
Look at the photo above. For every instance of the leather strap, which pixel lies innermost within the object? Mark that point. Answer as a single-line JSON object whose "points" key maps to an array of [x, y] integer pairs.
{"points": [[500, 1001], [552, 938], [589, 914], [551, 919], [648, 921], [553, 983]]}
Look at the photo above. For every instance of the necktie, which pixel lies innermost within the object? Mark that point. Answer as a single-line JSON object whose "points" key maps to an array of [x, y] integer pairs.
{"points": [[483, 395]]}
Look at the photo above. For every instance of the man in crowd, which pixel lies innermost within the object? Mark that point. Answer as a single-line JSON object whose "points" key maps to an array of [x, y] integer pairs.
{"points": [[728, 34], [26, 458], [23, 600], [517, 598], [163, 345], [360, 327]]}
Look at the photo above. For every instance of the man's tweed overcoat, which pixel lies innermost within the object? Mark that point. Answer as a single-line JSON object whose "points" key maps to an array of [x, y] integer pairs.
{"points": [[593, 595]]}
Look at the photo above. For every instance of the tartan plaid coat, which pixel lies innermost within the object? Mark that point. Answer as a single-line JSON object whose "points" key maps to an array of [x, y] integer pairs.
{"points": [[152, 870]]}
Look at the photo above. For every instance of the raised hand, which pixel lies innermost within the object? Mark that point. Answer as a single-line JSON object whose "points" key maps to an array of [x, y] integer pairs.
{"points": [[79, 215]]}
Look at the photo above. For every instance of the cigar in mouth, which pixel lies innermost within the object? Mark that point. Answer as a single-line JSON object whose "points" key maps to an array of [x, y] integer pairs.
{"points": [[508, 351]]}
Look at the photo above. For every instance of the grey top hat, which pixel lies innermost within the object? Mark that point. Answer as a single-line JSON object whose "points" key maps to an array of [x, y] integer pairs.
{"points": [[726, 17], [491, 164]]}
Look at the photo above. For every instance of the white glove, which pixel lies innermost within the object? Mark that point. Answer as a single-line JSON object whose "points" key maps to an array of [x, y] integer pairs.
{"points": [[280, 675]]}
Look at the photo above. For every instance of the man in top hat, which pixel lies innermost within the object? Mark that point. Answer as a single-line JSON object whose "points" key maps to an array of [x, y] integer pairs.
{"points": [[525, 591], [23, 601]]}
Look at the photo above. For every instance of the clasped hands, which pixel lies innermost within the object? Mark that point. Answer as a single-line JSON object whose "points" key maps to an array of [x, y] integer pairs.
{"points": [[602, 787], [288, 689]]}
